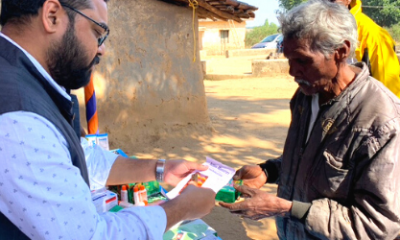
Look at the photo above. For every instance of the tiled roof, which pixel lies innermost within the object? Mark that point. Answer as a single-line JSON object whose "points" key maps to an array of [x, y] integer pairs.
{"points": [[220, 9]]}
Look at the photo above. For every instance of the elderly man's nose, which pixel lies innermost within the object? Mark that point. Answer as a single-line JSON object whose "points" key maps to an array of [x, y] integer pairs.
{"points": [[293, 70]]}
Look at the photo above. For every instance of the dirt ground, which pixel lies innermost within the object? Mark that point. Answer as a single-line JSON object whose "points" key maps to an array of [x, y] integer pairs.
{"points": [[249, 120]]}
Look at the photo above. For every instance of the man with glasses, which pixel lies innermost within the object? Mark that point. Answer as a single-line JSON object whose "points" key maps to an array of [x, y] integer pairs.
{"points": [[103, 34], [48, 47]]}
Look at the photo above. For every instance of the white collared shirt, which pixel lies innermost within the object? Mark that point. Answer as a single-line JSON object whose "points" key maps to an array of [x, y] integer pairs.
{"points": [[43, 193]]}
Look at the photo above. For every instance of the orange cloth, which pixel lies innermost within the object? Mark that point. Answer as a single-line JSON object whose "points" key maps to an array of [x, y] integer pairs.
{"points": [[91, 108]]}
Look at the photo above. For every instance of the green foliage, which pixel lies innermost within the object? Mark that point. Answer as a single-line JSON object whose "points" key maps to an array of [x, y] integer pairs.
{"points": [[394, 31], [289, 4], [384, 12], [259, 33]]}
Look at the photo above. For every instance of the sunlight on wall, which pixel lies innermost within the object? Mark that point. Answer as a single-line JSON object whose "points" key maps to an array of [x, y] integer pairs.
{"points": [[100, 85]]}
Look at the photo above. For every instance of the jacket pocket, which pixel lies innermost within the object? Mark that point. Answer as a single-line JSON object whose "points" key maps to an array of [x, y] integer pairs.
{"points": [[329, 179]]}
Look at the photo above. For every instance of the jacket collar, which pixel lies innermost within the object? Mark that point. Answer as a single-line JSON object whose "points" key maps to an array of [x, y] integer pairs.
{"points": [[39, 67], [330, 117], [356, 85], [19, 60]]}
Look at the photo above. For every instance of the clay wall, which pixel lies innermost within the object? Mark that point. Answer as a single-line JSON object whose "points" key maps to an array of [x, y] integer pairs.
{"points": [[210, 38], [148, 87]]}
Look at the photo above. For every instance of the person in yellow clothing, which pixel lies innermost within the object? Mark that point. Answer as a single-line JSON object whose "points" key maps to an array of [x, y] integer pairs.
{"points": [[376, 48]]}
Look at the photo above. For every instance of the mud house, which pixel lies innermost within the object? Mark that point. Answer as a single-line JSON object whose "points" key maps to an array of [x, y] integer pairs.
{"points": [[148, 85], [215, 37]]}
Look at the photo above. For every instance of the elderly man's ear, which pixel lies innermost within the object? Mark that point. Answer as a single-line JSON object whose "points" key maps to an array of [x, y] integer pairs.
{"points": [[341, 54]]}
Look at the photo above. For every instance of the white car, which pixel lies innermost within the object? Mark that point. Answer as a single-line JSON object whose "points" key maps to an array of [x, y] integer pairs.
{"points": [[269, 42]]}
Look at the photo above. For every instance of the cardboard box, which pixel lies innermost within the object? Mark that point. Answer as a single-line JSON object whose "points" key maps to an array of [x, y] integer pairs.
{"points": [[104, 200], [228, 193]]}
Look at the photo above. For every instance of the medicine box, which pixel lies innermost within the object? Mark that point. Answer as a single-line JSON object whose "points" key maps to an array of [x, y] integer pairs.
{"points": [[228, 193], [104, 200]]}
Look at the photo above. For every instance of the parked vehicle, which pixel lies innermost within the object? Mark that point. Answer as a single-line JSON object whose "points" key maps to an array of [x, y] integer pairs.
{"points": [[279, 45], [269, 42]]}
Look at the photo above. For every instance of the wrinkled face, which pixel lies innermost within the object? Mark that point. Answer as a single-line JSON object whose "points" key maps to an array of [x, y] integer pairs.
{"points": [[71, 60], [310, 69]]}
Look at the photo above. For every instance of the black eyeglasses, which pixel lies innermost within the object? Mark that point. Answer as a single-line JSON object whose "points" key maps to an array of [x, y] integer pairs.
{"points": [[106, 29]]}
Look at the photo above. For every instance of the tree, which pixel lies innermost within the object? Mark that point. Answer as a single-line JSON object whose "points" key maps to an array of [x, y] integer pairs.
{"points": [[384, 12], [289, 4], [259, 33], [394, 31]]}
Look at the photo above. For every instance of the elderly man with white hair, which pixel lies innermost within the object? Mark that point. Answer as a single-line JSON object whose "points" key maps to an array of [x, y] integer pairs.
{"points": [[339, 174]]}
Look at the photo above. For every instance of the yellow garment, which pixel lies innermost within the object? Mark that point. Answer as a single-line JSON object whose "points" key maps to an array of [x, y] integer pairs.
{"points": [[384, 62]]}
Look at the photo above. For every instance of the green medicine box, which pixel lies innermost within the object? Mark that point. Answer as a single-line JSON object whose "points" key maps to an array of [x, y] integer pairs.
{"points": [[228, 193]]}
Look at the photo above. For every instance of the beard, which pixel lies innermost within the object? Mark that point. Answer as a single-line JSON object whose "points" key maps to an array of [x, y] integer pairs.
{"points": [[68, 65]]}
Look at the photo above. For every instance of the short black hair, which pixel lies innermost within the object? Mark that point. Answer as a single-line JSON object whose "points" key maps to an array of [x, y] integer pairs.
{"points": [[20, 11]]}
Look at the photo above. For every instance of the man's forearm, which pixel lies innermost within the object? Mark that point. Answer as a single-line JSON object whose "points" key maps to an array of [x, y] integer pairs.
{"points": [[192, 203], [176, 211], [126, 170]]}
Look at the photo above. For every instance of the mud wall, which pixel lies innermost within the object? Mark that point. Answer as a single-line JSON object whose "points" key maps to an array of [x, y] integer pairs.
{"points": [[266, 67], [148, 87], [249, 52], [210, 36]]}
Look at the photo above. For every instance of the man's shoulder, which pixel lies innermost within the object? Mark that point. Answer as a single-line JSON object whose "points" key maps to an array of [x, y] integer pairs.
{"points": [[363, 19], [9, 72], [19, 89], [14, 64], [380, 92], [371, 30], [366, 24], [374, 105]]}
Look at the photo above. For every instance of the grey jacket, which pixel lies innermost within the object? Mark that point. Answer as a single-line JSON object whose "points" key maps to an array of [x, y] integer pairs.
{"points": [[349, 170]]}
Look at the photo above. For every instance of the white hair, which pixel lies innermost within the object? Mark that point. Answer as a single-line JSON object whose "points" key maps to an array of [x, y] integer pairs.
{"points": [[324, 24]]}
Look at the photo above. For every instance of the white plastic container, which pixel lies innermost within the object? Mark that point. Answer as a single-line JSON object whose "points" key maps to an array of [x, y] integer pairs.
{"points": [[136, 196], [143, 195], [124, 194]]}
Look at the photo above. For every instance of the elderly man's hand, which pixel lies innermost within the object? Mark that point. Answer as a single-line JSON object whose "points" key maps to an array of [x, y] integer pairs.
{"points": [[259, 204], [252, 175], [176, 170]]}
